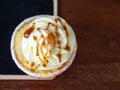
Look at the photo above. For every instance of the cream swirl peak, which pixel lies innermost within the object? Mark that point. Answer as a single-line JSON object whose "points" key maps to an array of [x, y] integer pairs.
{"points": [[48, 42]]}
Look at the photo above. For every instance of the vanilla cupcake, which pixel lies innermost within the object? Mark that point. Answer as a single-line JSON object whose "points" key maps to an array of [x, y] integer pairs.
{"points": [[43, 46]]}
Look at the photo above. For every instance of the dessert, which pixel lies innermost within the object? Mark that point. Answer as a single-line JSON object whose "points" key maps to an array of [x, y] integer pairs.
{"points": [[43, 46]]}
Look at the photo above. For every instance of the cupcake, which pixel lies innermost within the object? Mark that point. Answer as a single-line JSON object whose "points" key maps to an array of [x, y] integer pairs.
{"points": [[43, 46]]}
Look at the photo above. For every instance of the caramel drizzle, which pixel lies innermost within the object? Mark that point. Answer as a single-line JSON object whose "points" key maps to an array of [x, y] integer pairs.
{"points": [[65, 28], [32, 64], [45, 60], [57, 33], [59, 43], [59, 56], [63, 25], [35, 38], [29, 31], [67, 47], [38, 29], [37, 47], [48, 25], [51, 40]]}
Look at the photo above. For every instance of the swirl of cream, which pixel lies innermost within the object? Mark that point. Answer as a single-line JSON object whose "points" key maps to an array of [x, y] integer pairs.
{"points": [[48, 42]]}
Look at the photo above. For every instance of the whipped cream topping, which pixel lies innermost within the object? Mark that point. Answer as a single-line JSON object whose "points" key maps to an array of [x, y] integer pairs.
{"points": [[48, 42]]}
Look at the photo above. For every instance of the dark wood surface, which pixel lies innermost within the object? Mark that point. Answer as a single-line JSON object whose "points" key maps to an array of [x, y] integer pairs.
{"points": [[97, 64]]}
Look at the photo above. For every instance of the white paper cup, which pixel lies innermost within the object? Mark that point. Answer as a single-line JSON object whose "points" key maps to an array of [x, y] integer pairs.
{"points": [[21, 67]]}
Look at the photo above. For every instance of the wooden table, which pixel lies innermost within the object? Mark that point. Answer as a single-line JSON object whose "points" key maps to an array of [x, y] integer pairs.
{"points": [[97, 64]]}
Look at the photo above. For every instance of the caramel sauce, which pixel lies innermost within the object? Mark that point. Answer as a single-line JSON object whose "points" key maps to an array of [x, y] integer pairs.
{"points": [[44, 65], [67, 47], [56, 27], [57, 19], [42, 36], [50, 52], [63, 25], [65, 28], [32, 70], [37, 49], [59, 46], [34, 37], [67, 33], [48, 25], [38, 29], [47, 61], [32, 64], [44, 45], [28, 31], [51, 39], [57, 34], [59, 56], [58, 42]]}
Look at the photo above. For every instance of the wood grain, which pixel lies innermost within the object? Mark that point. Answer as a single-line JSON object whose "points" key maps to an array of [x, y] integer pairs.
{"points": [[97, 64]]}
